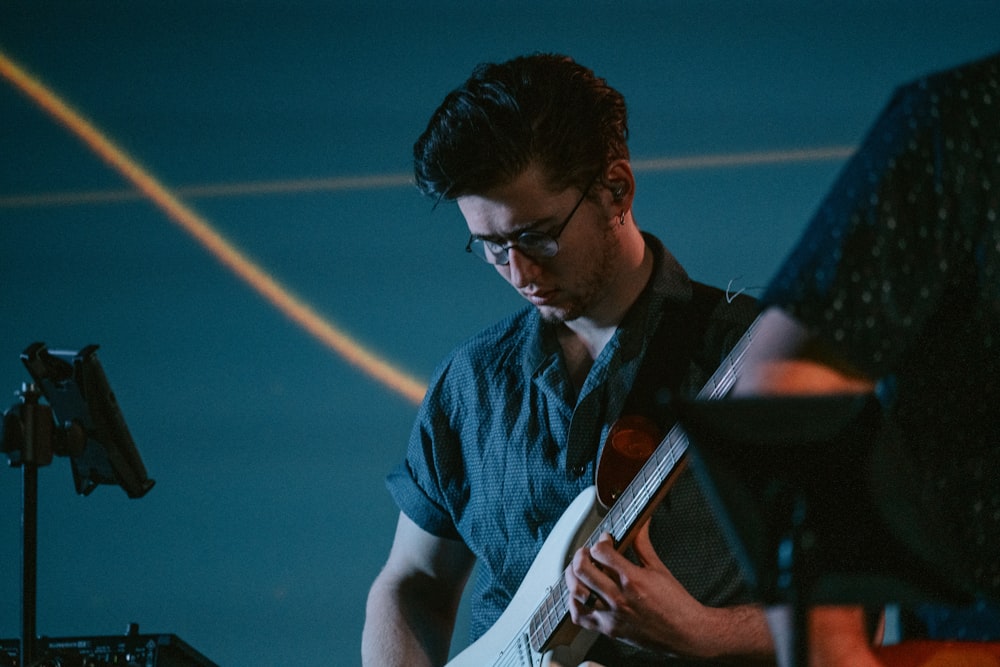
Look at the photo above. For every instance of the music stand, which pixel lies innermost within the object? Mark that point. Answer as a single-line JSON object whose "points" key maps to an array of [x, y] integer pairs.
{"points": [[809, 492], [83, 422]]}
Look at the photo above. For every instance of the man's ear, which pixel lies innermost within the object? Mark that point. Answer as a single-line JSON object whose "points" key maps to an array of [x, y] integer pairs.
{"points": [[621, 182]]}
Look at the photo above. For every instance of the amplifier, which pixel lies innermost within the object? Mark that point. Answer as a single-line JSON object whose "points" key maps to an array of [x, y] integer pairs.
{"points": [[10, 653], [132, 650]]}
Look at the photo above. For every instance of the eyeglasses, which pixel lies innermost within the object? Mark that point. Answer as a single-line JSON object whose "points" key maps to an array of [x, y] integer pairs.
{"points": [[537, 245]]}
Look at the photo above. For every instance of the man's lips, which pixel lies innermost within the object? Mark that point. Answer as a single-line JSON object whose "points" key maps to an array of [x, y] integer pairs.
{"points": [[540, 297]]}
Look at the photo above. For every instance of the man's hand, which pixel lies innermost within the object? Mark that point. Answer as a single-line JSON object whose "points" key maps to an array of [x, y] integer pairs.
{"points": [[641, 604], [644, 605]]}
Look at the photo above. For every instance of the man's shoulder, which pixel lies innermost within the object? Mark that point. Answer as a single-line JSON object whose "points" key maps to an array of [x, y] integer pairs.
{"points": [[724, 317], [507, 332], [949, 95], [724, 305], [981, 71], [484, 365], [496, 344]]}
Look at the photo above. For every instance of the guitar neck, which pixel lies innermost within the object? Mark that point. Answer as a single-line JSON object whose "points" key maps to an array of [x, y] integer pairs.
{"points": [[637, 500]]}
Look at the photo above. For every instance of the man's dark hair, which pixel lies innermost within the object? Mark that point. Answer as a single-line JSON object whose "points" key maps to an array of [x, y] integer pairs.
{"points": [[544, 109]]}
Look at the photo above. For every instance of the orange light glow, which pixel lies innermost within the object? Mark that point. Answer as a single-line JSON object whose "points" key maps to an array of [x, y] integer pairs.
{"points": [[294, 308]]}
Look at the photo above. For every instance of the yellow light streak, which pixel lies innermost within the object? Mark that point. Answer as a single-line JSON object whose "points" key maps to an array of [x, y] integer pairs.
{"points": [[754, 158], [289, 186], [300, 312], [379, 181]]}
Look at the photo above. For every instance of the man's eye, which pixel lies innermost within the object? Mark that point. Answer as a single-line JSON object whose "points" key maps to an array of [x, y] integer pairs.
{"points": [[532, 240]]}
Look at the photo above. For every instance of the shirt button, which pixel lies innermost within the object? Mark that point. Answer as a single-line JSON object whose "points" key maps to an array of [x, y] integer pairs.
{"points": [[578, 471]]}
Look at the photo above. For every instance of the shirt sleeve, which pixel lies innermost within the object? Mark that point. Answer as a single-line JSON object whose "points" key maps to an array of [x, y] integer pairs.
{"points": [[418, 483]]}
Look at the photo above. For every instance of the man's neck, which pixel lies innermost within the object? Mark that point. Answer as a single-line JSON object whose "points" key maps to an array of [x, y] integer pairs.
{"points": [[584, 338]]}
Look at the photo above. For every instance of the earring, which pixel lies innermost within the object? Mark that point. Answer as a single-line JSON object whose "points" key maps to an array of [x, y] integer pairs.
{"points": [[621, 218]]}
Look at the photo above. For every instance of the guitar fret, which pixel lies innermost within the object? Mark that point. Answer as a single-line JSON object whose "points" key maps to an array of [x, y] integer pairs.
{"points": [[553, 599]]}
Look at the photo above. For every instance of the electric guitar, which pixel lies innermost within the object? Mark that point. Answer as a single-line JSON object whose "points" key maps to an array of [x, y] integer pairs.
{"points": [[549, 638]]}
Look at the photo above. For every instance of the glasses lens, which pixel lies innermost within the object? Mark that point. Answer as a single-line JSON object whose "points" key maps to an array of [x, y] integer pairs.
{"points": [[533, 244], [488, 251], [537, 244]]}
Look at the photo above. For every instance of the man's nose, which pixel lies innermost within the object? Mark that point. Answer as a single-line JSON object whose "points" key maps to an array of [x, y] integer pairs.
{"points": [[522, 269]]}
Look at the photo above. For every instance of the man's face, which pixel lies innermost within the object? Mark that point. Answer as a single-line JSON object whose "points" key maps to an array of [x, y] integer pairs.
{"points": [[573, 282]]}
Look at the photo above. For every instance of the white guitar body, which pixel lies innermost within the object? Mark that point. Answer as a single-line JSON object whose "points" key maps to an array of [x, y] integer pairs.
{"points": [[506, 643]]}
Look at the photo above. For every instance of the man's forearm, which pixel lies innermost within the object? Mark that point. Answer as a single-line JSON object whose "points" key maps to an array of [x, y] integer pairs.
{"points": [[740, 633]]}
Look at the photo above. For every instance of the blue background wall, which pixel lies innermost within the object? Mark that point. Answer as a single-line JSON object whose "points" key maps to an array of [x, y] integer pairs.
{"points": [[269, 518]]}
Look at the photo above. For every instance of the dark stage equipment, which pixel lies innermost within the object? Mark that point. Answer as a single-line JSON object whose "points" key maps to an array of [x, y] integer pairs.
{"points": [[812, 494], [80, 419], [129, 650]]}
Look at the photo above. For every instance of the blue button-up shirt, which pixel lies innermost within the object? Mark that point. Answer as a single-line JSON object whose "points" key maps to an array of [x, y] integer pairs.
{"points": [[503, 442]]}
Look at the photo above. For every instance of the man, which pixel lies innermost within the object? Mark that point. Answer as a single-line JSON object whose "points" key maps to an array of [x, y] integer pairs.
{"points": [[534, 152], [895, 286]]}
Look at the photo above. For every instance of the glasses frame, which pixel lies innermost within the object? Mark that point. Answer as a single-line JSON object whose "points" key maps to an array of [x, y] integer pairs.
{"points": [[477, 246]]}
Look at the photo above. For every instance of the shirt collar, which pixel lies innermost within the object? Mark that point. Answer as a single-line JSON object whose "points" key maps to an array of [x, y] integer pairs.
{"points": [[668, 283]]}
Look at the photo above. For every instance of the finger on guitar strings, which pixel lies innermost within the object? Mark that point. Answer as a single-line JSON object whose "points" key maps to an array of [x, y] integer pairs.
{"points": [[588, 596]]}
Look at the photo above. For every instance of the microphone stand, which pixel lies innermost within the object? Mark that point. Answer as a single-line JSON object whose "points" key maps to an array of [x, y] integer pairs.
{"points": [[29, 436]]}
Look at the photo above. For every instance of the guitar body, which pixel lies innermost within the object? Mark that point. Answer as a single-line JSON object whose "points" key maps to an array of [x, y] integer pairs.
{"points": [[505, 643]]}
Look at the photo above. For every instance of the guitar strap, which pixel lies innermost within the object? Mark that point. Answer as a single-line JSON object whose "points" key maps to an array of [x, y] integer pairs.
{"points": [[672, 364], [669, 355]]}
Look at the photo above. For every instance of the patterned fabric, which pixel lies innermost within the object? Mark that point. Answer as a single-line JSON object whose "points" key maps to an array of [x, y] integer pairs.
{"points": [[503, 444], [900, 272]]}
